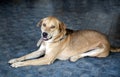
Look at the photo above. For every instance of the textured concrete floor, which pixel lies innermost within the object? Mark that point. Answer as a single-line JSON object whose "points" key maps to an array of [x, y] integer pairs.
{"points": [[19, 35]]}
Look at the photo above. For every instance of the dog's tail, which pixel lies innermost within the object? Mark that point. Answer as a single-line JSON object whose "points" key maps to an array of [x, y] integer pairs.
{"points": [[114, 49]]}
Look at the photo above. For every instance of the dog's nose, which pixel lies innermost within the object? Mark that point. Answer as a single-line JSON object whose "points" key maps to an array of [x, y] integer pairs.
{"points": [[44, 34]]}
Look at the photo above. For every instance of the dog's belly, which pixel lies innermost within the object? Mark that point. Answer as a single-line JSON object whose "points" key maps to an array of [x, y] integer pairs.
{"points": [[62, 57], [66, 54]]}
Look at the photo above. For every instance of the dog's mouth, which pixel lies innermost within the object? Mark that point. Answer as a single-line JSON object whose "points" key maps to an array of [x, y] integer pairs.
{"points": [[46, 39]]}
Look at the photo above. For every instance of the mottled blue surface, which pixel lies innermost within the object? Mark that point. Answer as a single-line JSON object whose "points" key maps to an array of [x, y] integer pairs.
{"points": [[19, 35]]}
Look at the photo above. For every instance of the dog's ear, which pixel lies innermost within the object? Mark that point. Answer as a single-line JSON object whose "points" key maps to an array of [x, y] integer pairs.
{"points": [[62, 27], [39, 23]]}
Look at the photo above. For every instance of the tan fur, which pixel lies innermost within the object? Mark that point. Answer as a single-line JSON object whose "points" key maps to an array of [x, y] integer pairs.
{"points": [[64, 44]]}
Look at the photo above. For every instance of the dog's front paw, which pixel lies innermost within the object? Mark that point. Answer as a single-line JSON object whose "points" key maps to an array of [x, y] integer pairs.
{"points": [[17, 64], [13, 61], [74, 58]]}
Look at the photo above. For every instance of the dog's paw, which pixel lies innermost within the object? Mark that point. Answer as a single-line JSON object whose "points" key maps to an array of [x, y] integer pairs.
{"points": [[74, 59], [17, 64], [13, 61]]}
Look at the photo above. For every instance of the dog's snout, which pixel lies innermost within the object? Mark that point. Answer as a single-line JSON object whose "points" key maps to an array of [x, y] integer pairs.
{"points": [[44, 34]]}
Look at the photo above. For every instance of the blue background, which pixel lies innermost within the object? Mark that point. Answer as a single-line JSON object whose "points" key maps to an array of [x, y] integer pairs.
{"points": [[19, 35]]}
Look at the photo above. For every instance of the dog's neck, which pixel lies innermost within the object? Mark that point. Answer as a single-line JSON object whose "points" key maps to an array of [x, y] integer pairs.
{"points": [[60, 37], [63, 37], [57, 38]]}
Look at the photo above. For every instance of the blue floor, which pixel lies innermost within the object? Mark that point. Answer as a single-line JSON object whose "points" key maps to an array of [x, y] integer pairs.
{"points": [[19, 35]]}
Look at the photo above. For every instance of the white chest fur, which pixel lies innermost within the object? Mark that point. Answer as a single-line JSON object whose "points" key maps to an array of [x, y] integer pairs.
{"points": [[48, 48]]}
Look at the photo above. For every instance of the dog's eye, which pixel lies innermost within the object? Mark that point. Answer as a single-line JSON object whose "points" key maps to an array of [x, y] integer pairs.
{"points": [[44, 25], [52, 27]]}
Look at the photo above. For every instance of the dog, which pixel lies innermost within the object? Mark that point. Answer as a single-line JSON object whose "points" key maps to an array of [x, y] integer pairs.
{"points": [[58, 42]]}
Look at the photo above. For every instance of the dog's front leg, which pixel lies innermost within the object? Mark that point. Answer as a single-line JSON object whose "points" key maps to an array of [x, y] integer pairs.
{"points": [[28, 56], [39, 42], [41, 61], [34, 54]]}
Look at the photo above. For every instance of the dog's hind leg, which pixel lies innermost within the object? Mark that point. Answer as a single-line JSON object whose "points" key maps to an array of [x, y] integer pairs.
{"points": [[92, 53]]}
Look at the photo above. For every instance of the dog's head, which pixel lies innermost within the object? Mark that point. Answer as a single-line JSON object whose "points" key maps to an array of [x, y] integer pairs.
{"points": [[51, 28]]}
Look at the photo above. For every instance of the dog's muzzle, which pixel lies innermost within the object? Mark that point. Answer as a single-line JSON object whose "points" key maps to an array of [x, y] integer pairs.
{"points": [[45, 36]]}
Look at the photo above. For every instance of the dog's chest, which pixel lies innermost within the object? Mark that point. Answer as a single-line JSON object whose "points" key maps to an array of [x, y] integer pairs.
{"points": [[50, 48]]}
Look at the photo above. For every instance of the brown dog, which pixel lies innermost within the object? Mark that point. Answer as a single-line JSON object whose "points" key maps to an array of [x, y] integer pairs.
{"points": [[57, 42]]}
